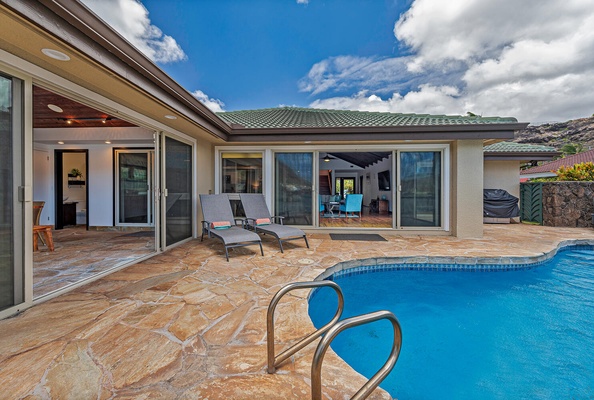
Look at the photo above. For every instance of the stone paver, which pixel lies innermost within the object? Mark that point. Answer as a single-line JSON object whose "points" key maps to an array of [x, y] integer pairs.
{"points": [[186, 324]]}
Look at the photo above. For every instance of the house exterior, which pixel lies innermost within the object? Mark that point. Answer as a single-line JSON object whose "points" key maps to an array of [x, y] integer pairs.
{"points": [[547, 170], [503, 161], [428, 169]]}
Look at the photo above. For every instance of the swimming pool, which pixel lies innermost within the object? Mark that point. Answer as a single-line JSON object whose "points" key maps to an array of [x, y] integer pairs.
{"points": [[519, 334]]}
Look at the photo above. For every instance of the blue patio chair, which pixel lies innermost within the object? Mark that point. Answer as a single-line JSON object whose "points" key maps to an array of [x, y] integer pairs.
{"points": [[322, 206], [352, 204]]}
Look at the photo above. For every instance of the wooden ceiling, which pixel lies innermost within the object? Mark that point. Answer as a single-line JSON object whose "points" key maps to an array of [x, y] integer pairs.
{"points": [[79, 115], [361, 159]]}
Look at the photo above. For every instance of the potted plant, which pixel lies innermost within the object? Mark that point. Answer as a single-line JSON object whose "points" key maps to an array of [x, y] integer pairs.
{"points": [[75, 173]]}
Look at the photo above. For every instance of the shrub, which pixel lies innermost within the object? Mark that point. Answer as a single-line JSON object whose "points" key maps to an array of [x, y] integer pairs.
{"points": [[578, 172]]}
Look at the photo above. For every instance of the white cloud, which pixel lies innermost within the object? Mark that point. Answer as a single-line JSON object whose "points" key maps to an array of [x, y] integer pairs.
{"points": [[345, 72], [130, 18], [532, 59], [215, 105], [302, 1]]}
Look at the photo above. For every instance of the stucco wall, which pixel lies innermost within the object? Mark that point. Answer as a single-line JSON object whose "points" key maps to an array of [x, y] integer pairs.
{"points": [[467, 189], [205, 154], [568, 204], [502, 175]]}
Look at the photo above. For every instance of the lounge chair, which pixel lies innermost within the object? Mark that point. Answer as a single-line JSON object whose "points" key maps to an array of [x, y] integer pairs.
{"points": [[220, 223], [259, 219], [352, 204]]}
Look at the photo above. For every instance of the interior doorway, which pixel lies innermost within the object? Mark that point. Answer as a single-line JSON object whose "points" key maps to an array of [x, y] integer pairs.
{"points": [[345, 186], [71, 188]]}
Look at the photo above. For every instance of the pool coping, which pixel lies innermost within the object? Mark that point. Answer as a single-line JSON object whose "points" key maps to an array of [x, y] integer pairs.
{"points": [[448, 263]]}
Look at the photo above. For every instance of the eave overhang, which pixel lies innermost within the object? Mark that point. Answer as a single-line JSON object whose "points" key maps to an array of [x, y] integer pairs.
{"points": [[392, 133], [522, 156]]}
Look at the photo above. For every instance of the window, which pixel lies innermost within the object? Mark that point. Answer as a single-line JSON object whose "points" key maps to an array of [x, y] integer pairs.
{"points": [[242, 173]]}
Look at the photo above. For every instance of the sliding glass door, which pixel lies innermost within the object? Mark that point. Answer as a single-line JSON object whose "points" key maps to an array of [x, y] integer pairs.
{"points": [[134, 195], [11, 207], [421, 189], [293, 194], [178, 190]]}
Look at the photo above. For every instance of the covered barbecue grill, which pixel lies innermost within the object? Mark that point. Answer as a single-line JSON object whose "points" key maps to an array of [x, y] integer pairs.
{"points": [[499, 206]]}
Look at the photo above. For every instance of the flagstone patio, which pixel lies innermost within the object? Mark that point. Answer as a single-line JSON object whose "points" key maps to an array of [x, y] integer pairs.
{"points": [[187, 324]]}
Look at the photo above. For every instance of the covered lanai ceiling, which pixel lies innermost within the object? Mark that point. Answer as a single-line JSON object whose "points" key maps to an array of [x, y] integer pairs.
{"points": [[361, 159], [73, 114]]}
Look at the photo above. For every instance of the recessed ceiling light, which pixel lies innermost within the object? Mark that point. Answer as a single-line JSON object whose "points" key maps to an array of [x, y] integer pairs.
{"points": [[60, 142], [307, 141], [107, 142], [169, 116], [55, 108], [55, 54]]}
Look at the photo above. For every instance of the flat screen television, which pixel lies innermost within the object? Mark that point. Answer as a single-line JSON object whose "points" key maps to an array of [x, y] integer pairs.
{"points": [[383, 180]]}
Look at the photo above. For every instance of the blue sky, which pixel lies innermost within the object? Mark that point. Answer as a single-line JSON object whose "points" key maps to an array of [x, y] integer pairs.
{"points": [[252, 54], [532, 59]]}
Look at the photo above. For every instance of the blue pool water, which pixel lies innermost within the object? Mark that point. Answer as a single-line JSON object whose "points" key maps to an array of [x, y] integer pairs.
{"points": [[523, 334]]}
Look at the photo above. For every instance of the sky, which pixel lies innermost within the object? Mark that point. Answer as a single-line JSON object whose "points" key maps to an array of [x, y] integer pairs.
{"points": [[529, 59]]}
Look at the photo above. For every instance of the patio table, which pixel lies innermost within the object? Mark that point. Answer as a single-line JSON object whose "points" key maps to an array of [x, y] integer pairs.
{"points": [[331, 206]]}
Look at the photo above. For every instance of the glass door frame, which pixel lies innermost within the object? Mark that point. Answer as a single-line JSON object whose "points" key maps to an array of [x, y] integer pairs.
{"points": [[22, 190], [151, 206], [444, 182], [161, 162], [268, 175], [314, 184]]}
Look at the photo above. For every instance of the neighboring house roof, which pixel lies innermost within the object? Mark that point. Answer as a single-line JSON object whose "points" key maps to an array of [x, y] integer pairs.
{"points": [[569, 161], [519, 151]]}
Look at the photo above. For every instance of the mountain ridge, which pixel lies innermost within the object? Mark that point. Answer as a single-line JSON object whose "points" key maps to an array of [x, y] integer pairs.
{"points": [[558, 134]]}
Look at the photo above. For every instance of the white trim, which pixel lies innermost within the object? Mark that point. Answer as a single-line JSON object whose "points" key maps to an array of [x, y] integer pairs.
{"points": [[446, 176], [23, 177]]}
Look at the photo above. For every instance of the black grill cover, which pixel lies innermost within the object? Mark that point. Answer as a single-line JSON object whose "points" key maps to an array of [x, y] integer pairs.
{"points": [[498, 203]]}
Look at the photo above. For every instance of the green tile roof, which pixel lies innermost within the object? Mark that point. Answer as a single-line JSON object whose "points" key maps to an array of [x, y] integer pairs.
{"points": [[510, 147], [293, 117]]}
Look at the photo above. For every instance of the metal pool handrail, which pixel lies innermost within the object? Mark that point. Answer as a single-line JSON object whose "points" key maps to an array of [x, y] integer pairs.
{"points": [[316, 366], [273, 361]]}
